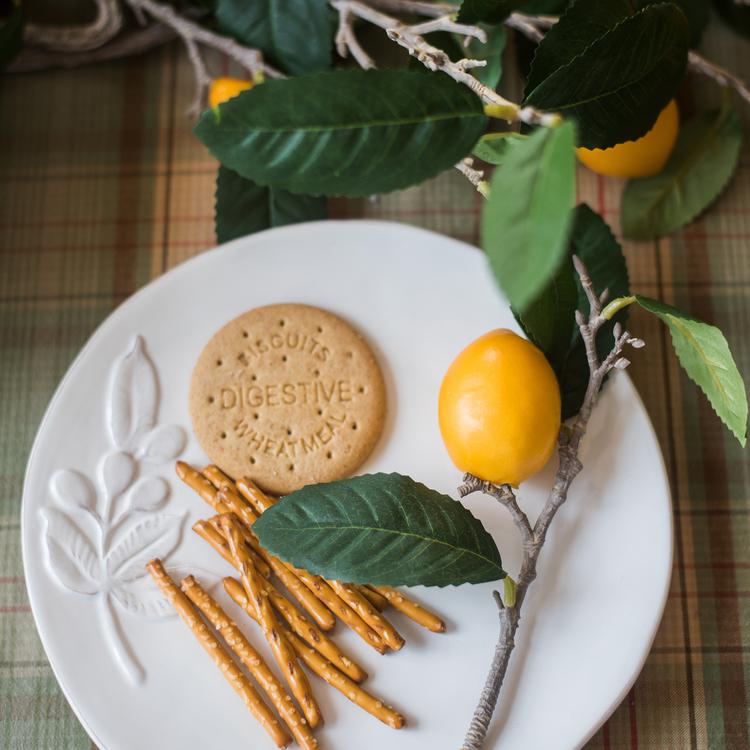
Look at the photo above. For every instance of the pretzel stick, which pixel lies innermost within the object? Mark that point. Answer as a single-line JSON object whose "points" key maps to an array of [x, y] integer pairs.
{"points": [[323, 668], [306, 630], [411, 609], [286, 574], [251, 543], [325, 590], [285, 655], [376, 599], [298, 622], [236, 640], [219, 654], [233, 503], [364, 608], [196, 481], [208, 532], [282, 651]]}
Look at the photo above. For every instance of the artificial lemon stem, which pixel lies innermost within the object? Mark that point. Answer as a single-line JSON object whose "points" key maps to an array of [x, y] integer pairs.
{"points": [[616, 305], [533, 536]]}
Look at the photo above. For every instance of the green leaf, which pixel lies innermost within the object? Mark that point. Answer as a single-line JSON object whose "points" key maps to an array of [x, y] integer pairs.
{"points": [[383, 529], [592, 241], [697, 13], [487, 11], [491, 51], [296, 35], [583, 23], [524, 224], [704, 355], [549, 321], [242, 207], [346, 132], [495, 147], [545, 7], [11, 35], [617, 86], [699, 168]]}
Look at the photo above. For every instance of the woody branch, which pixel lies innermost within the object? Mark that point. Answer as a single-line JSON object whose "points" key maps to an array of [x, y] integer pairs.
{"points": [[533, 536]]}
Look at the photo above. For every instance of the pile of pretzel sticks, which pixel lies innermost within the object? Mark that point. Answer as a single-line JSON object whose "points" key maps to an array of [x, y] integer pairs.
{"points": [[292, 637]]}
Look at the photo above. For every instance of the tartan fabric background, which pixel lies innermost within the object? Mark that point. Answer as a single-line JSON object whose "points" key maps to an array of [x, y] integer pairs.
{"points": [[103, 187]]}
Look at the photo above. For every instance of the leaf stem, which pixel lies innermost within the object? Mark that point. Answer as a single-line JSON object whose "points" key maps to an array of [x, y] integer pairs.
{"points": [[616, 305]]}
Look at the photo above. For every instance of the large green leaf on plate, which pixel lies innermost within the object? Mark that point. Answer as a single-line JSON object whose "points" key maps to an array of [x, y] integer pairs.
{"points": [[616, 87], [524, 226], [700, 167], [345, 132], [383, 529], [243, 207], [704, 355], [294, 34]]}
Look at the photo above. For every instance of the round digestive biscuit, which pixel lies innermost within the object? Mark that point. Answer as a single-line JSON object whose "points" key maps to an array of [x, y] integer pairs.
{"points": [[288, 395]]}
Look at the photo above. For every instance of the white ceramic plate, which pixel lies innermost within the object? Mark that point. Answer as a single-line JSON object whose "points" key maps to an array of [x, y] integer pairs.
{"points": [[135, 676]]}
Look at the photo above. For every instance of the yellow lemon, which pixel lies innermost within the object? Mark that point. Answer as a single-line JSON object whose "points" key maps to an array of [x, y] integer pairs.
{"points": [[225, 88], [643, 157], [499, 408]]}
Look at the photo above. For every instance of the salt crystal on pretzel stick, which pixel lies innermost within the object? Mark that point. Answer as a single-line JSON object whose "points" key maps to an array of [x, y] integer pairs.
{"points": [[236, 640], [412, 610], [364, 608], [284, 654], [323, 668], [219, 654]]}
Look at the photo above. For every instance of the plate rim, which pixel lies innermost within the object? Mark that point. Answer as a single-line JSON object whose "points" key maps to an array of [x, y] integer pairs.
{"points": [[203, 257]]}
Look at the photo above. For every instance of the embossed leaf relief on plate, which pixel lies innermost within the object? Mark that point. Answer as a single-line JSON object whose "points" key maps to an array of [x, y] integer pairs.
{"points": [[100, 533]]}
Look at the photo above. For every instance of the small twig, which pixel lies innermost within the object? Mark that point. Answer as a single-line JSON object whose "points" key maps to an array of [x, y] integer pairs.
{"points": [[700, 64], [533, 537], [474, 176], [519, 22], [436, 59], [415, 7], [446, 23], [346, 41]]}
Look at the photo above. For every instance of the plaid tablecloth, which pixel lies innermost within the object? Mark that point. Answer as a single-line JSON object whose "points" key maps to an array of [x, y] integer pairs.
{"points": [[103, 187]]}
